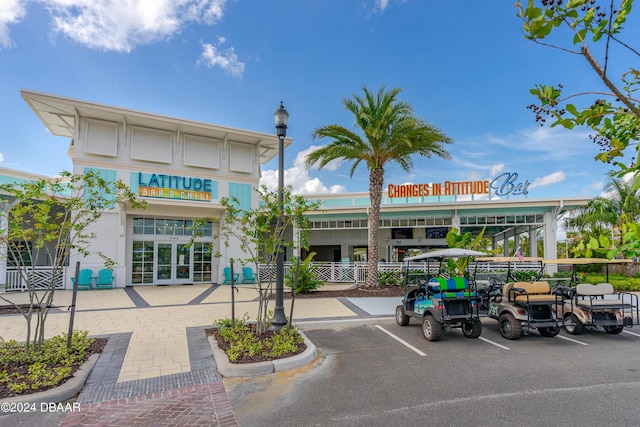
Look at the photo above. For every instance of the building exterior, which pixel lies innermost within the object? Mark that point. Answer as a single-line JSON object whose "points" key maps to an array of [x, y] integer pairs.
{"points": [[183, 168], [421, 223]]}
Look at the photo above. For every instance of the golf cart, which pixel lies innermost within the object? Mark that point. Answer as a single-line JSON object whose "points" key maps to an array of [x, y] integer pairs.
{"points": [[439, 302], [491, 273], [597, 305], [523, 306]]}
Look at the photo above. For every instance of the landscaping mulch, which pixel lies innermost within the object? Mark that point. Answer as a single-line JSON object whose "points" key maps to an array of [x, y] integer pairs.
{"points": [[96, 347], [388, 291], [247, 358]]}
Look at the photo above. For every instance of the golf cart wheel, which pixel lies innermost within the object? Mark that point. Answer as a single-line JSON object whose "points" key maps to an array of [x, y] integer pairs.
{"points": [[510, 328], [472, 328], [431, 329], [572, 325], [614, 330], [549, 332], [401, 317]]}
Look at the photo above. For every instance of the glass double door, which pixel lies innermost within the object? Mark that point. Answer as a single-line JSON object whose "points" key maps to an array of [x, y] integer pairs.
{"points": [[174, 263]]}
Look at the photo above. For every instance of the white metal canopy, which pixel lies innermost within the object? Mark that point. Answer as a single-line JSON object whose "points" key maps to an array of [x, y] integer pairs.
{"points": [[446, 253]]}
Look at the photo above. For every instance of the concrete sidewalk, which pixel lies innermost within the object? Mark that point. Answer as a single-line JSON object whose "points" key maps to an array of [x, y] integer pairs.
{"points": [[158, 356]]}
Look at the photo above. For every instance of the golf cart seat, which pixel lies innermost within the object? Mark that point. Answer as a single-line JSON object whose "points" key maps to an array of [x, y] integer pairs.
{"points": [[588, 295], [525, 293], [454, 287]]}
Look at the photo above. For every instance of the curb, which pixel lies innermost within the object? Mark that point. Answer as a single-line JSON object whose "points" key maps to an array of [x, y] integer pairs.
{"points": [[228, 369], [61, 393]]}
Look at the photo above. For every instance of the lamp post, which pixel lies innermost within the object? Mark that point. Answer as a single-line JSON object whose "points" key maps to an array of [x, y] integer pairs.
{"points": [[279, 319]]}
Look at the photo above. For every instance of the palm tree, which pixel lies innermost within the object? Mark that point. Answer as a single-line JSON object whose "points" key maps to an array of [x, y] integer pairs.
{"points": [[385, 131], [601, 215]]}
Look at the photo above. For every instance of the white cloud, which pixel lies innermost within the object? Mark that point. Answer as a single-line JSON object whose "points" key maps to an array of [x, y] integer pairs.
{"points": [[1, 157], [332, 166], [612, 193], [552, 178], [496, 169], [11, 12], [297, 177], [213, 56], [380, 5], [550, 143], [121, 25]]}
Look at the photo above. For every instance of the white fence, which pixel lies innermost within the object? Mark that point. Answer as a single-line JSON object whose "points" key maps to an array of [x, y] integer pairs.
{"points": [[339, 272], [356, 272], [40, 276]]}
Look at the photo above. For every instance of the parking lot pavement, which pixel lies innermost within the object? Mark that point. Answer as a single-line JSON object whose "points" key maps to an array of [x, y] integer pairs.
{"points": [[365, 376]]}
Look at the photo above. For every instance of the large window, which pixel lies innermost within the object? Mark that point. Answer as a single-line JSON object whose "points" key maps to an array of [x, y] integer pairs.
{"points": [[402, 233], [201, 262], [171, 227], [142, 266], [436, 232]]}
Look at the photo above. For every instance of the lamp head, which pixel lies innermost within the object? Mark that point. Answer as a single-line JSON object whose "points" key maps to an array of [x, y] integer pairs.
{"points": [[281, 118]]}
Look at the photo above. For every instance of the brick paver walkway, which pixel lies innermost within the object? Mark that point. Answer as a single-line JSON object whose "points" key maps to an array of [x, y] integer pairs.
{"points": [[200, 405]]}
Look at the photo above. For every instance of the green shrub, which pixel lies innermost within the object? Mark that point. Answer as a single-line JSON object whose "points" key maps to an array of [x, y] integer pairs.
{"points": [[242, 340], [48, 367], [563, 274], [389, 278], [590, 268], [525, 275], [619, 282], [307, 276]]}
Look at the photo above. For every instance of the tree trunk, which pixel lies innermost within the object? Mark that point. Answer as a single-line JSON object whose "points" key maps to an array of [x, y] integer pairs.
{"points": [[376, 177]]}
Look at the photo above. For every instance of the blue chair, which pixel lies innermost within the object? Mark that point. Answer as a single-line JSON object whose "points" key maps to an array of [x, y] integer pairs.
{"points": [[105, 279], [227, 276], [85, 277], [248, 276]]}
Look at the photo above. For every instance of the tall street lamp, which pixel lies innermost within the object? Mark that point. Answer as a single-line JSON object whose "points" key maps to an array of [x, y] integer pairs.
{"points": [[279, 319]]}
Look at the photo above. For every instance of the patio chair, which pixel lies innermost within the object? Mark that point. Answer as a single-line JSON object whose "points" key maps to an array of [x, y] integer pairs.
{"points": [[85, 276], [227, 276], [105, 279], [248, 276]]}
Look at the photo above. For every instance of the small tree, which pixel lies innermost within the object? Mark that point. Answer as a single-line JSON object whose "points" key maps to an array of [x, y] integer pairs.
{"points": [[50, 219], [458, 267], [257, 234]]}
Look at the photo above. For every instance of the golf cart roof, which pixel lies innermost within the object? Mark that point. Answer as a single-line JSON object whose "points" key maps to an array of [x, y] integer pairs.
{"points": [[583, 261], [445, 253], [509, 259]]}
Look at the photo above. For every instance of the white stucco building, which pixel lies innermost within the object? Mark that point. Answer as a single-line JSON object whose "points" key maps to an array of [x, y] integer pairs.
{"points": [[180, 167]]}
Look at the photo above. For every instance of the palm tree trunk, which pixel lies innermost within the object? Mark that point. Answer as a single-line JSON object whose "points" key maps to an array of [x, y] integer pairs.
{"points": [[376, 178]]}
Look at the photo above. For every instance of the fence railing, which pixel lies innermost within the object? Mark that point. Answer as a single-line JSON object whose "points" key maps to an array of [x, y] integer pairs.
{"points": [[41, 277], [356, 272]]}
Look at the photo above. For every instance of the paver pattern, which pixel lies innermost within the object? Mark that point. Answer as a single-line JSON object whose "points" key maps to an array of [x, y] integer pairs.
{"points": [[157, 369], [200, 405]]}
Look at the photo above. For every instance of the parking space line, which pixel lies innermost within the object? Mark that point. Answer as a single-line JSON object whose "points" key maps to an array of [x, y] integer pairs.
{"points": [[572, 340], [631, 333], [494, 343], [401, 341]]}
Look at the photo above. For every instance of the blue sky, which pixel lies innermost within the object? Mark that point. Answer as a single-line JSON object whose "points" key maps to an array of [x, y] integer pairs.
{"points": [[464, 66]]}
